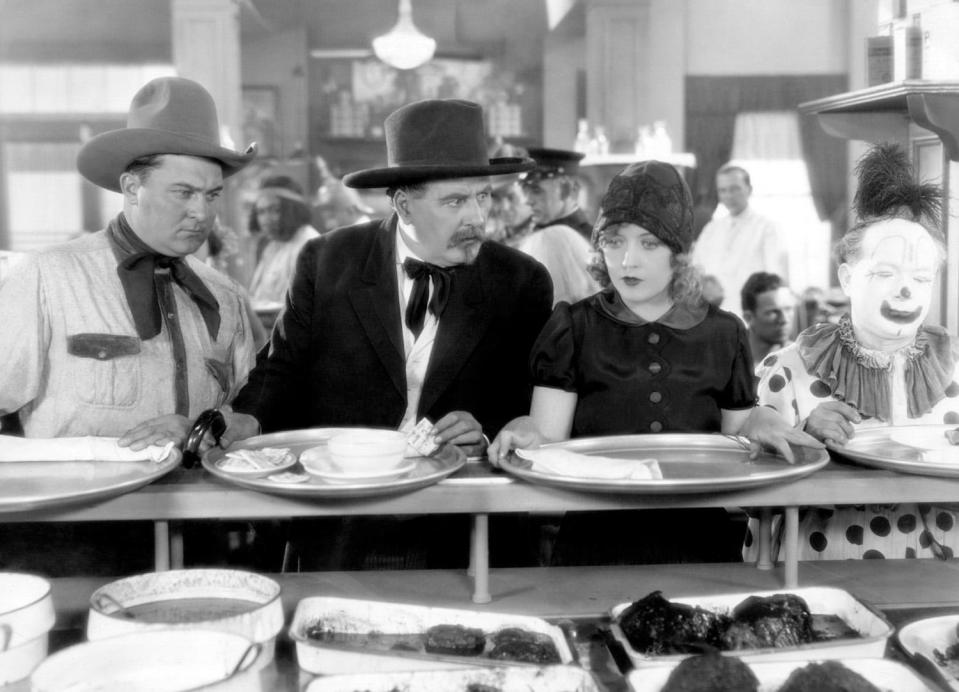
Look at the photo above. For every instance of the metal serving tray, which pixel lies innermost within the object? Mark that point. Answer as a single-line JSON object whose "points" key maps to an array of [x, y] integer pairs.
{"points": [[919, 449], [690, 463], [354, 616], [874, 629], [888, 676], [528, 679], [427, 471], [30, 485]]}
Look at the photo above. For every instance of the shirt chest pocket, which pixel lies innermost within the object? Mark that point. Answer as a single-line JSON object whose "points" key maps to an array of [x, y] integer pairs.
{"points": [[107, 368]]}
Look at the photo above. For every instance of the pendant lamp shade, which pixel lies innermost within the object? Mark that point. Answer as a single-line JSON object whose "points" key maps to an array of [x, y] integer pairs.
{"points": [[404, 47]]}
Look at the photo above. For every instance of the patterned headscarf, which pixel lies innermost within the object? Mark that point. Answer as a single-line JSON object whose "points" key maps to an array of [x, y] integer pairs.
{"points": [[653, 195]]}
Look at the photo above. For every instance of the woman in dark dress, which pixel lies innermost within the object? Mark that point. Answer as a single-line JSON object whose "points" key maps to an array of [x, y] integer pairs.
{"points": [[645, 355]]}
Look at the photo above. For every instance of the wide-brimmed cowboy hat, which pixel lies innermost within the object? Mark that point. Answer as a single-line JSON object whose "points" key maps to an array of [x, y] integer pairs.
{"points": [[168, 115], [435, 139]]}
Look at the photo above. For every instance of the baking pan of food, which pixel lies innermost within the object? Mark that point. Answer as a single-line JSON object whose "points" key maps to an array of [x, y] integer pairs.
{"points": [[936, 641], [731, 673], [927, 450], [810, 623], [659, 464], [343, 635], [525, 678]]}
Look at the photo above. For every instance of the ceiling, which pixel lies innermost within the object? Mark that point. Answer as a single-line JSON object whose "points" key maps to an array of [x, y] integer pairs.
{"points": [[139, 30]]}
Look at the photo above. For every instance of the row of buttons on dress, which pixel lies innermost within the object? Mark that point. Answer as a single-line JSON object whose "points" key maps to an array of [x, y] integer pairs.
{"points": [[655, 368]]}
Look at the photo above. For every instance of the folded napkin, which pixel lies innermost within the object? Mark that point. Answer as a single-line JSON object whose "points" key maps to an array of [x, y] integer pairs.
{"points": [[76, 449], [563, 462]]}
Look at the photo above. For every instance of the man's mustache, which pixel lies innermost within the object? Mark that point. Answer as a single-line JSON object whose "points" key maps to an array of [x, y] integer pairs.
{"points": [[468, 234]]}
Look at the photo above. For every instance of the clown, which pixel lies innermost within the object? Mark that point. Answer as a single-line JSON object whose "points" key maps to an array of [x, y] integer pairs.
{"points": [[880, 365]]}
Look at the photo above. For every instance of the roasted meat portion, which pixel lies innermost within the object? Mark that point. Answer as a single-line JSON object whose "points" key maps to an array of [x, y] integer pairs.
{"points": [[515, 644], [653, 625], [769, 622], [711, 672], [828, 676], [455, 640]]}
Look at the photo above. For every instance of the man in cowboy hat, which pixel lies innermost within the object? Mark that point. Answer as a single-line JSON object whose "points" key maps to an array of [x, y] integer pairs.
{"points": [[552, 190], [414, 316], [121, 333]]}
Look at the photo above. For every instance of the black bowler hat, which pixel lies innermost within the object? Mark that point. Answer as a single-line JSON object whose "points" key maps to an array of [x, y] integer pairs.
{"points": [[435, 139], [551, 163]]}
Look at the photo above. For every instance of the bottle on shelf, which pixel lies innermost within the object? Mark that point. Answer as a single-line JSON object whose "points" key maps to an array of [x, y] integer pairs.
{"points": [[582, 143], [602, 143], [663, 143]]}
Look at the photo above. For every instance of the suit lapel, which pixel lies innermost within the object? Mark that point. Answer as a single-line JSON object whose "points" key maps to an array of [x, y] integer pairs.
{"points": [[462, 326], [376, 302]]}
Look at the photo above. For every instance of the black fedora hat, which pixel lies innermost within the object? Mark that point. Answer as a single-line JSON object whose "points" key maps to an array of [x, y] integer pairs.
{"points": [[168, 115], [433, 140], [551, 163]]}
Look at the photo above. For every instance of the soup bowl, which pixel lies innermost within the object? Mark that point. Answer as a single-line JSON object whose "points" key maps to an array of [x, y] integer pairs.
{"points": [[367, 450], [26, 618], [228, 600]]}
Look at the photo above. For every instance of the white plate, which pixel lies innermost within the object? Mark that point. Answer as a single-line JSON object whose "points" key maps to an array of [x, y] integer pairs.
{"points": [[921, 449], [256, 473], [318, 463], [528, 679]]}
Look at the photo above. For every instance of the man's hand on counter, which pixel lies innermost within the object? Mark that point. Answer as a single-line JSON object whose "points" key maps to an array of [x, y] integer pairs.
{"points": [[156, 431], [239, 426], [766, 428]]}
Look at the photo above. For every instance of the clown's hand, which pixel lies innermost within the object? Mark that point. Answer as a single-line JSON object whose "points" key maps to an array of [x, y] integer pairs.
{"points": [[766, 428], [832, 421]]}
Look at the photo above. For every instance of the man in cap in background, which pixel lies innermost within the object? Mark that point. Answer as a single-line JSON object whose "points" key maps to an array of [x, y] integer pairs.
{"points": [[552, 190], [413, 316], [122, 333]]}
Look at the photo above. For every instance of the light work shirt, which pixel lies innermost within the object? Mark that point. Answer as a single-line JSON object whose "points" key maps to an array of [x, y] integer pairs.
{"points": [[72, 361]]}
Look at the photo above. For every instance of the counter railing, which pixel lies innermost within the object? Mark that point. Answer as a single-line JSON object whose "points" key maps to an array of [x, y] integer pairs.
{"points": [[193, 494]]}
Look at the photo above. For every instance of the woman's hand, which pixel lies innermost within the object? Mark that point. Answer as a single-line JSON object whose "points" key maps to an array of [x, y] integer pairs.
{"points": [[519, 433], [831, 421], [765, 427]]}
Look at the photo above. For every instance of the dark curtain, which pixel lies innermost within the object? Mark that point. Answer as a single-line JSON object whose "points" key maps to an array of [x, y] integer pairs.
{"points": [[711, 107]]}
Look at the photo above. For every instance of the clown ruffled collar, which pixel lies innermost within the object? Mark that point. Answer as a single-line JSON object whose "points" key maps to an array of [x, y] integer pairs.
{"points": [[859, 376]]}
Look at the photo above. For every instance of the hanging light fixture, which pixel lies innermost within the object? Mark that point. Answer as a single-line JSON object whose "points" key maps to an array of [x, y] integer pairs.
{"points": [[405, 46]]}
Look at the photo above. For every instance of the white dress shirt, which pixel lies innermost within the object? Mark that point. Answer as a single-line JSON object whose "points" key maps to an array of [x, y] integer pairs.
{"points": [[417, 349]]}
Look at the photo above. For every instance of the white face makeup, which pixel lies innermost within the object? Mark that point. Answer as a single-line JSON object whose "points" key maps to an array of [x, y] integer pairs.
{"points": [[890, 286]]}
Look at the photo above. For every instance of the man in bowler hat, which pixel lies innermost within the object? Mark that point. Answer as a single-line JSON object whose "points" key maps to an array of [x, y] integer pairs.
{"points": [[414, 316]]}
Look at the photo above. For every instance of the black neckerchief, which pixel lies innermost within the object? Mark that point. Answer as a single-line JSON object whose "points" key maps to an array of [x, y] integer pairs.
{"points": [[137, 264]]}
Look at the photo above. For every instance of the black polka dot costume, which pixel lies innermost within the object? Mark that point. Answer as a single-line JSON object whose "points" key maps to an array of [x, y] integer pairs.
{"points": [[794, 381]]}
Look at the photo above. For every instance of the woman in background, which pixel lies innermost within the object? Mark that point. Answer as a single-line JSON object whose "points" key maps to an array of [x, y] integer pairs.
{"points": [[282, 214]]}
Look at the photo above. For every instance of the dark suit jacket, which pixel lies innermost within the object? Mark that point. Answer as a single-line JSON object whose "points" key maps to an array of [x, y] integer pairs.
{"points": [[336, 355]]}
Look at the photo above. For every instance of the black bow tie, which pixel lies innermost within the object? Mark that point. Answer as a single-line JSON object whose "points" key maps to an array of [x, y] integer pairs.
{"points": [[421, 273]]}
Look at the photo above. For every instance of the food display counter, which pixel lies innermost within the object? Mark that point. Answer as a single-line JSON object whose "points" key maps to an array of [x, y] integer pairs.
{"points": [[576, 598]]}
